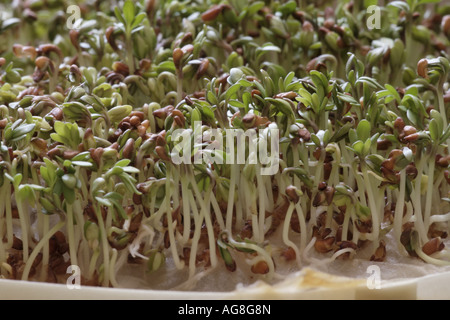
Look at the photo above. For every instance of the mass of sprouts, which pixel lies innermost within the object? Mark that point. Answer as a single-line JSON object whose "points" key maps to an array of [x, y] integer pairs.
{"points": [[89, 113]]}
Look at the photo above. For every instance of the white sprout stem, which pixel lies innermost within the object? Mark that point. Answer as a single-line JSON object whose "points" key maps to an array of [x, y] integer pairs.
{"points": [[440, 218], [348, 213], [210, 231], [175, 194], [441, 102], [329, 219], [317, 178], [308, 248], [170, 223], [109, 217], [262, 208], [270, 200], [24, 225], [438, 188], [38, 248], [296, 159], [93, 263], [205, 215], [361, 187], [83, 176], [398, 216], [340, 252], [112, 271], [239, 210], [186, 208], [2, 214], [429, 259], [45, 249], [80, 222], [105, 245], [195, 238], [350, 180], [6, 199], [429, 196], [2, 246], [303, 227], [218, 213], [286, 224], [373, 207], [71, 235], [180, 85], [264, 254], [230, 205], [356, 233], [416, 199]]}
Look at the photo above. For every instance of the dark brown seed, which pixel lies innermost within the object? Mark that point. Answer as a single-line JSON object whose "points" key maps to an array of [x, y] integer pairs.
{"points": [[187, 48], [408, 130], [260, 267], [138, 114], [135, 121], [121, 68], [324, 245], [166, 240], [288, 254], [322, 185], [15, 213], [96, 154], [443, 161], [380, 252], [73, 35], [63, 248], [109, 35], [212, 13], [137, 199], [317, 153], [54, 152], [69, 154], [42, 62], [291, 95], [179, 121], [202, 68], [292, 194], [128, 149], [394, 154], [432, 246], [329, 194], [445, 24], [145, 64], [422, 68], [177, 55], [344, 245], [399, 124], [3, 123], [161, 152], [56, 113], [411, 171], [319, 199], [411, 137], [304, 134], [383, 144], [17, 243], [135, 222], [363, 226], [46, 49], [388, 164]]}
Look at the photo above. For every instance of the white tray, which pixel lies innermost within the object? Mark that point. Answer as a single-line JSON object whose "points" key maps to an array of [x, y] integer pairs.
{"points": [[306, 285]]}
